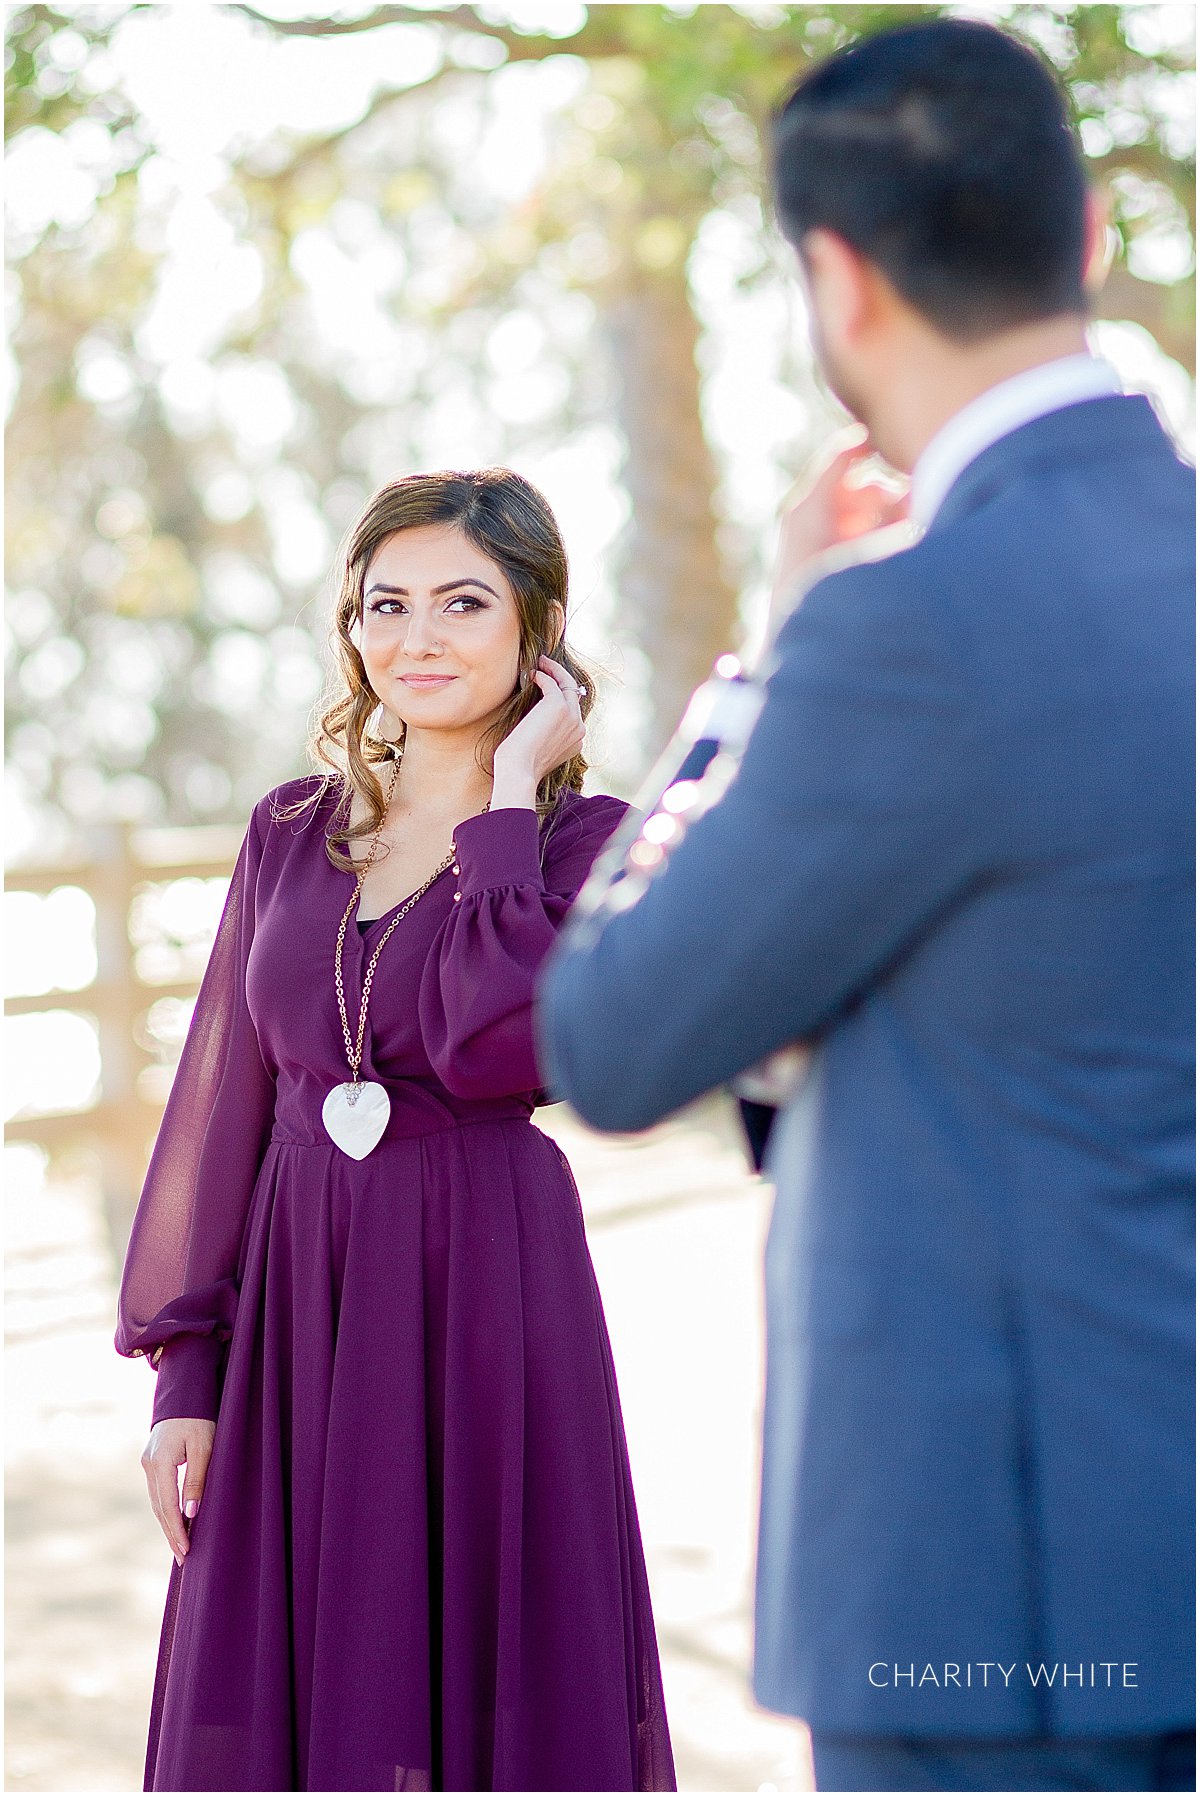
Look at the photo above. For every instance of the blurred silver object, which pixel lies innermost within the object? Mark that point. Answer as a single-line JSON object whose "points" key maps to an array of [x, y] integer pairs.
{"points": [[691, 774], [688, 778]]}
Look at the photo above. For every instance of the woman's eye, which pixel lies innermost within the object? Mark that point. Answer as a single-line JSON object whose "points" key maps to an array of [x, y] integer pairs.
{"points": [[389, 607]]}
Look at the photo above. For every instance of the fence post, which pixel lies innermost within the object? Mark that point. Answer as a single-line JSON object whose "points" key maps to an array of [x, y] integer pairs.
{"points": [[119, 1141]]}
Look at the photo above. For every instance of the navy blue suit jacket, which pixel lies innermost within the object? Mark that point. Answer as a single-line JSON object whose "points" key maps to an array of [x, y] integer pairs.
{"points": [[958, 857]]}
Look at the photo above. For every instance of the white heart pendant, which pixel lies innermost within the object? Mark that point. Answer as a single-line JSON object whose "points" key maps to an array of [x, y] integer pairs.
{"points": [[355, 1116]]}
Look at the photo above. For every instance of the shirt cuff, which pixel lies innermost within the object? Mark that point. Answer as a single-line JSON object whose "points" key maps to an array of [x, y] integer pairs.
{"points": [[188, 1378], [497, 848]]}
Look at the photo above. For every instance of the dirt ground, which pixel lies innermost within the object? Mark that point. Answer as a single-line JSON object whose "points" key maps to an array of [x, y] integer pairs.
{"points": [[676, 1224]]}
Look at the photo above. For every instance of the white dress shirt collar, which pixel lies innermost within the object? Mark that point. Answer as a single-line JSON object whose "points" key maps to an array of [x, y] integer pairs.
{"points": [[1003, 408]]}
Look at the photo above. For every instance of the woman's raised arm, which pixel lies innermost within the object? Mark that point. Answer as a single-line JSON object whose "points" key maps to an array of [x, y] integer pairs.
{"points": [[476, 995]]}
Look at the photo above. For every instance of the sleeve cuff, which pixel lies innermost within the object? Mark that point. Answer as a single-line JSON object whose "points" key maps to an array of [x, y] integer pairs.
{"points": [[188, 1378], [497, 848]]}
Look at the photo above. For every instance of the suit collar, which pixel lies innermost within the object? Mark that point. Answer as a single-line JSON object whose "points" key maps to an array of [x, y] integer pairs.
{"points": [[1090, 429], [997, 411]]}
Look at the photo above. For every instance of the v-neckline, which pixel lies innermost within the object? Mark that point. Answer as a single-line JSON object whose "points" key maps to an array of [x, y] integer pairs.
{"points": [[371, 921]]}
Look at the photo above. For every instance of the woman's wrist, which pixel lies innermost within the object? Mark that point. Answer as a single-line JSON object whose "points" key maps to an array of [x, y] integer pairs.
{"points": [[513, 787]]}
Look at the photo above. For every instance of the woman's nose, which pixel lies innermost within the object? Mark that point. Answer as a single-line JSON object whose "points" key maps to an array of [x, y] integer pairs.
{"points": [[421, 635]]}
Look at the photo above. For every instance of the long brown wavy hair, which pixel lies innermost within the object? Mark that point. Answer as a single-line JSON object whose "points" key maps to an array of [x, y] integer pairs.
{"points": [[510, 521]]}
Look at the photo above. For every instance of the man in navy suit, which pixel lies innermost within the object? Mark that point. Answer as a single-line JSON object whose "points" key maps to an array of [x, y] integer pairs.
{"points": [[957, 860]]}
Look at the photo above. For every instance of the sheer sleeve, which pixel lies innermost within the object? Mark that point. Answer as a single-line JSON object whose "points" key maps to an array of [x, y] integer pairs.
{"points": [[178, 1292], [476, 997]]}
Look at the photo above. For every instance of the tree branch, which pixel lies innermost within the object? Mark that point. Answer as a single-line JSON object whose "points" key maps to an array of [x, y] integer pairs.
{"points": [[314, 148], [463, 17], [597, 36]]}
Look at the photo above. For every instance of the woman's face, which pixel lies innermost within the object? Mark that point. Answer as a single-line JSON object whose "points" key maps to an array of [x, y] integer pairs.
{"points": [[440, 635]]}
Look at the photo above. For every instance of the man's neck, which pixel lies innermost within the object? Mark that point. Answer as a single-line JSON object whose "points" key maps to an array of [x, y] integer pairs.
{"points": [[934, 380]]}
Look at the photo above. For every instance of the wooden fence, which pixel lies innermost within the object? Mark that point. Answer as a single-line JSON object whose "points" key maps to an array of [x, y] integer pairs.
{"points": [[118, 863]]}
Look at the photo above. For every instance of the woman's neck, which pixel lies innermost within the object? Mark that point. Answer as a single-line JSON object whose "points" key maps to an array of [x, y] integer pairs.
{"points": [[438, 774]]}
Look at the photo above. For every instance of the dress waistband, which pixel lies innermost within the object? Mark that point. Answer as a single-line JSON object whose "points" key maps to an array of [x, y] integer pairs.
{"points": [[406, 1122]]}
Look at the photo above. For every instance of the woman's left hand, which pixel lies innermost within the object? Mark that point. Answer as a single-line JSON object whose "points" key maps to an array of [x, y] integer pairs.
{"points": [[549, 733]]}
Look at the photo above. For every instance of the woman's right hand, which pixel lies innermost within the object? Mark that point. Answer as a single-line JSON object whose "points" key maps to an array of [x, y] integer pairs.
{"points": [[187, 1441]]}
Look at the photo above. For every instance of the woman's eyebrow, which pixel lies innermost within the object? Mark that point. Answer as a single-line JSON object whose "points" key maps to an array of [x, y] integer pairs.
{"points": [[448, 586]]}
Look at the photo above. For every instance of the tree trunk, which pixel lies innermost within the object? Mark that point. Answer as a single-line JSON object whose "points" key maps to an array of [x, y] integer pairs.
{"points": [[675, 594]]}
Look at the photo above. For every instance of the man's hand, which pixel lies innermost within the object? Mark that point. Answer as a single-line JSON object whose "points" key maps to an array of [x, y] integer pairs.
{"points": [[831, 504], [179, 1441]]}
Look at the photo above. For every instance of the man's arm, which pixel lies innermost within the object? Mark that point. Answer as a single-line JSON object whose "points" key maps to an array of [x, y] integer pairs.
{"points": [[855, 816]]}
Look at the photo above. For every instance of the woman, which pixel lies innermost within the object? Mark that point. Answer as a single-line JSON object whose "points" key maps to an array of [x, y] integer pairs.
{"points": [[408, 1557]]}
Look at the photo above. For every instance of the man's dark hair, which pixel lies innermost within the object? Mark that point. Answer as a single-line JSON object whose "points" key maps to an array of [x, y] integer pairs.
{"points": [[943, 153]]}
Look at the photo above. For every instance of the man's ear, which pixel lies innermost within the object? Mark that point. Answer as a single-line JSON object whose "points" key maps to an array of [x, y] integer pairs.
{"points": [[1100, 240], [838, 281]]}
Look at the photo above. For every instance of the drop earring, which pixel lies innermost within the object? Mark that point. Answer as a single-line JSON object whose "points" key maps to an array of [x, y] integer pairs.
{"points": [[373, 736]]}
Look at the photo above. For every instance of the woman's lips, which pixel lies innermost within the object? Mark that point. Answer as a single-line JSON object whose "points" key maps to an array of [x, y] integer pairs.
{"points": [[419, 680]]}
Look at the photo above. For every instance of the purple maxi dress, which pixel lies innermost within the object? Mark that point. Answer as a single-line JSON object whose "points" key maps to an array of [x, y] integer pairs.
{"points": [[416, 1564]]}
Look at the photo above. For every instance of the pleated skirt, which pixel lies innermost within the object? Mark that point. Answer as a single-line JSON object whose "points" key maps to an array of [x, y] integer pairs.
{"points": [[416, 1564]]}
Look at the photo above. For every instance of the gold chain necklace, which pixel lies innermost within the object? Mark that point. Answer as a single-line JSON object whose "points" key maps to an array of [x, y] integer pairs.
{"points": [[355, 1113]]}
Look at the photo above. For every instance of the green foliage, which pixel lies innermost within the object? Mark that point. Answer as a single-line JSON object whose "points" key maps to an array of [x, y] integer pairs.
{"points": [[55, 73]]}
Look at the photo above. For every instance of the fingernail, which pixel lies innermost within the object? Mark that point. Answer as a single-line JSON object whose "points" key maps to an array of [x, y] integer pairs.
{"points": [[190, 1507], [179, 1559]]}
